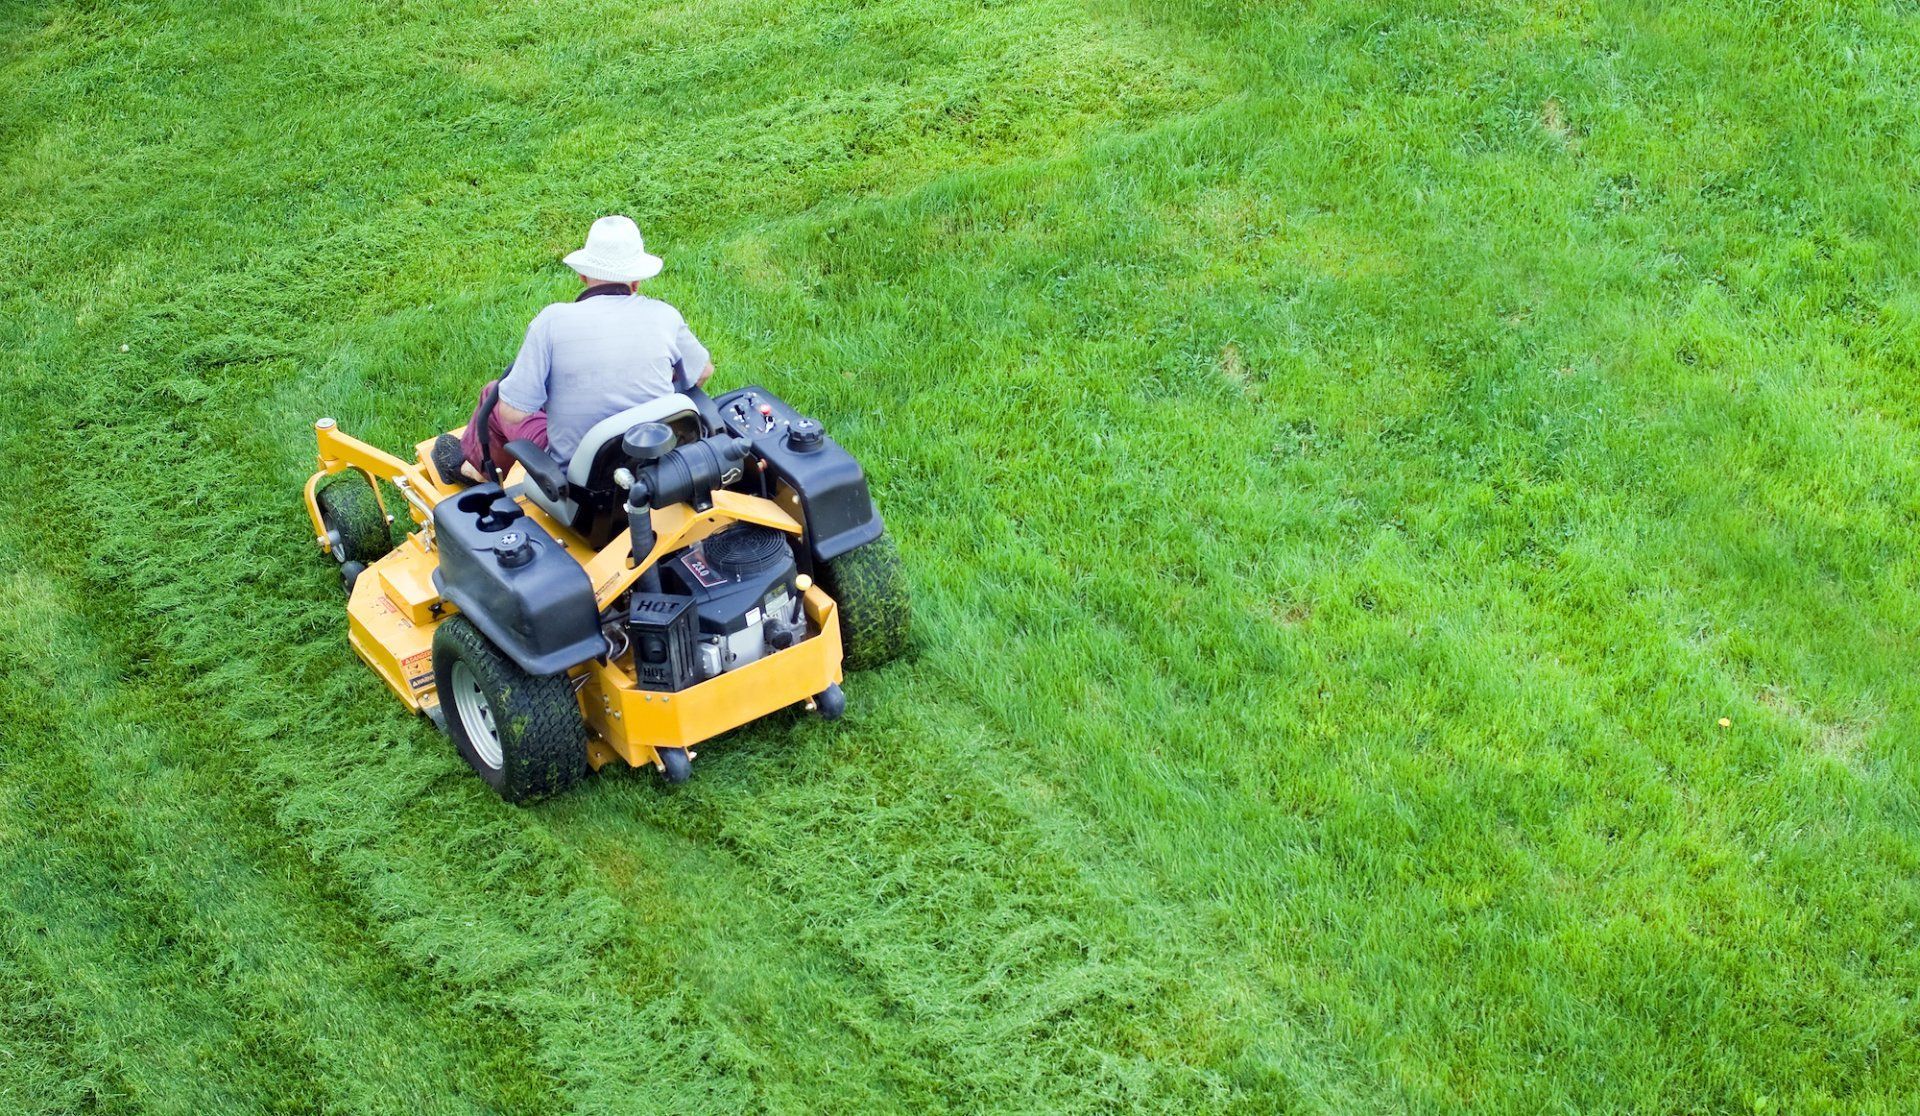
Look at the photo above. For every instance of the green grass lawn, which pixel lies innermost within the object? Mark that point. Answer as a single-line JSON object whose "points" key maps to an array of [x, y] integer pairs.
{"points": [[1349, 457]]}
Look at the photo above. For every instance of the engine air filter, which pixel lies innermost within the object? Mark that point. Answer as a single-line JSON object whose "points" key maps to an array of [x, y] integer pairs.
{"points": [[746, 549]]}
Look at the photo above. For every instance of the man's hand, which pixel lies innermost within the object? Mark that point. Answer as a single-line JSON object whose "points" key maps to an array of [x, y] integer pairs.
{"points": [[705, 375]]}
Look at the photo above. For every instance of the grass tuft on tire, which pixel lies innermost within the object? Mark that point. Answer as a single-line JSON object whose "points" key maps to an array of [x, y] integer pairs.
{"points": [[875, 613], [521, 733]]}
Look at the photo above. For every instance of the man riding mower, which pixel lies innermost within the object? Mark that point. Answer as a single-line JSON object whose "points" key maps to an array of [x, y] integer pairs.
{"points": [[694, 564]]}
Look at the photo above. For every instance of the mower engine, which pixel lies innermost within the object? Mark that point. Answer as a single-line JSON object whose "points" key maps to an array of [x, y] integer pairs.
{"points": [[722, 603]]}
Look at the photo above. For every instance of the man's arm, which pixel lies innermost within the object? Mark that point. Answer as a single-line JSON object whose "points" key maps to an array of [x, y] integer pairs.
{"points": [[689, 353]]}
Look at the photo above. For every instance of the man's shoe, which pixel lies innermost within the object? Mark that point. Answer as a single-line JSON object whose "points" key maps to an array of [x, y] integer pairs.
{"points": [[447, 459]]}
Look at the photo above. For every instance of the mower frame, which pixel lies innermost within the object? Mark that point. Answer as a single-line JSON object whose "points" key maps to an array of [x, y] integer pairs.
{"points": [[394, 608]]}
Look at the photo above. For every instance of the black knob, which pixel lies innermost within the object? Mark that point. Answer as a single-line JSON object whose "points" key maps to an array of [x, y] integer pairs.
{"points": [[805, 435], [513, 550], [648, 441]]}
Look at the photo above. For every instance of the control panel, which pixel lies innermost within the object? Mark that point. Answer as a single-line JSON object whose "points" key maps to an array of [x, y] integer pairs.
{"points": [[831, 487]]}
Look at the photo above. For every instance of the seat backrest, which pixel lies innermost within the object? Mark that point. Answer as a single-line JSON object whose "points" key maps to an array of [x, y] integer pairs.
{"points": [[668, 409], [591, 505]]}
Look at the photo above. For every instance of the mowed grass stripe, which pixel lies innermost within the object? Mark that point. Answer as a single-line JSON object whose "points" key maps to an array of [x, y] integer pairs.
{"points": [[44, 1073], [917, 851], [690, 132], [97, 944], [320, 1016]]}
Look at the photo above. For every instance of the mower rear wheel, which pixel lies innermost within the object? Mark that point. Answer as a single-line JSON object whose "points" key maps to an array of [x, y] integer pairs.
{"points": [[522, 733], [875, 616], [356, 527]]}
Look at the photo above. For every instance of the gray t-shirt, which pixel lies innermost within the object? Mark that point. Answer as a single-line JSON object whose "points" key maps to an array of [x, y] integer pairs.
{"points": [[588, 360]]}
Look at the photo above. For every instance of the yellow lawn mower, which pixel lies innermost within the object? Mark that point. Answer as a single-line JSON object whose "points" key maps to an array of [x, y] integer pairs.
{"points": [[698, 564]]}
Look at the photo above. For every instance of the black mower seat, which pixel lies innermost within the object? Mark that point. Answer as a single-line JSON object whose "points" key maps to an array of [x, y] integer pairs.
{"points": [[590, 490]]}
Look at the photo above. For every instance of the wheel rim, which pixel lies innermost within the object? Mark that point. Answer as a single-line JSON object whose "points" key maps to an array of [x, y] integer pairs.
{"points": [[335, 544], [476, 716]]}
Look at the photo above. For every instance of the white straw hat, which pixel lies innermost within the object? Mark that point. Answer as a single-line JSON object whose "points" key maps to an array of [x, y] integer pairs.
{"points": [[615, 251]]}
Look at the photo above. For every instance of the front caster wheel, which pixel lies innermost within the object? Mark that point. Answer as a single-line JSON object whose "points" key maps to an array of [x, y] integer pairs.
{"points": [[520, 732], [830, 703], [675, 763]]}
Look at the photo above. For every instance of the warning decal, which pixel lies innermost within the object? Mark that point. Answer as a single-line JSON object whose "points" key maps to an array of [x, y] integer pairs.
{"points": [[418, 668]]}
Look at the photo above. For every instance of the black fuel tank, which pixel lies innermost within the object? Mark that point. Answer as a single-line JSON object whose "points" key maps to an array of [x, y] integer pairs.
{"points": [[514, 581]]}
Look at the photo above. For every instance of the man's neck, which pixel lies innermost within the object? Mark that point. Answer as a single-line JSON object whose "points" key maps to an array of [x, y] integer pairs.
{"points": [[604, 289]]}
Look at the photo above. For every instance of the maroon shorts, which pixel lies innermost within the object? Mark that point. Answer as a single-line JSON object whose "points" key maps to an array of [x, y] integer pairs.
{"points": [[499, 432]]}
